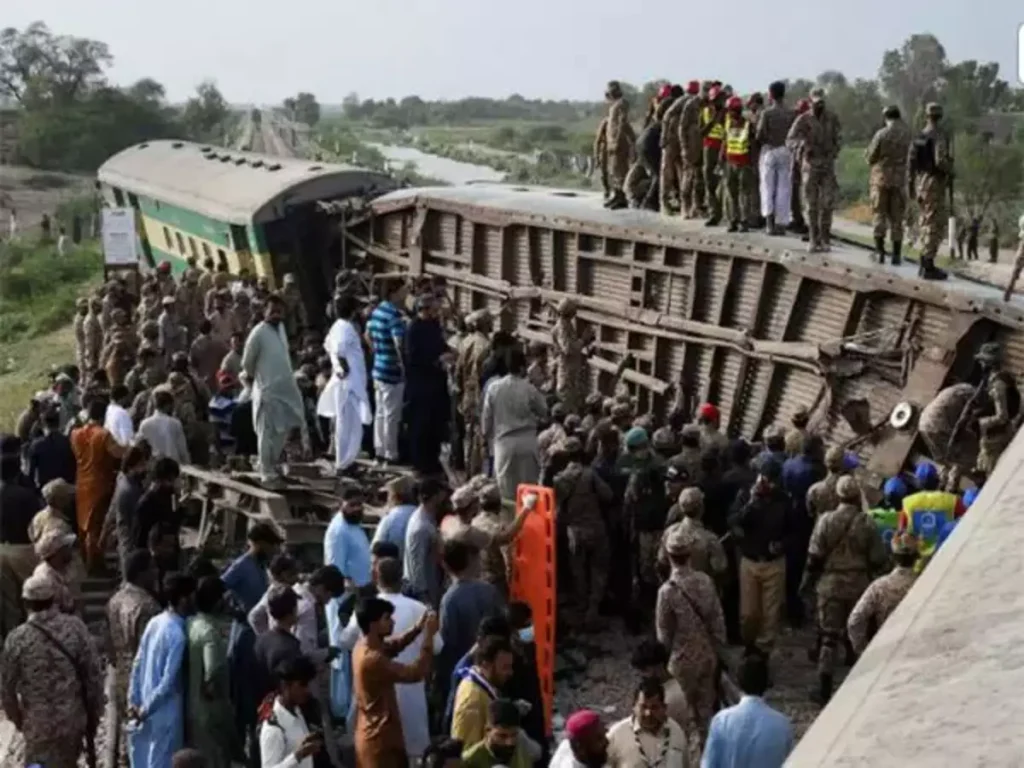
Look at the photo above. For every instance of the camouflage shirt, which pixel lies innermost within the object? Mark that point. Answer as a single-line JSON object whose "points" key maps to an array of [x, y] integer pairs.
{"points": [[819, 139], [877, 604], [887, 155], [822, 496], [707, 555], [581, 494], [128, 612], [851, 546], [38, 680], [689, 621]]}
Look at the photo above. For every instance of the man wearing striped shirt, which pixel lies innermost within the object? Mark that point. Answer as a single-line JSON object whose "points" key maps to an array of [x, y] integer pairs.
{"points": [[385, 333]]}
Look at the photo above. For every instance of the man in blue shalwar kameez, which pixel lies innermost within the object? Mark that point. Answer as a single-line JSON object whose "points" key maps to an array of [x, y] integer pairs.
{"points": [[156, 693]]}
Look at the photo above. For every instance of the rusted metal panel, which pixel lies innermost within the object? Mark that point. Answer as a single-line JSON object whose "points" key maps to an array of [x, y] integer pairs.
{"points": [[740, 320]]}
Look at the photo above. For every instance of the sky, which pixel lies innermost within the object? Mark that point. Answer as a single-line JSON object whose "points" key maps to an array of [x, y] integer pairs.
{"points": [[261, 52]]}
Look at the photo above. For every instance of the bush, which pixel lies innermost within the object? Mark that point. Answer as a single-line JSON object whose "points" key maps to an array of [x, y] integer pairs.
{"points": [[38, 287]]}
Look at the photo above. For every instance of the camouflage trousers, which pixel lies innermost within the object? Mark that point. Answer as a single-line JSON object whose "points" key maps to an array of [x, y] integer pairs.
{"points": [[933, 215], [691, 185], [671, 173], [711, 199], [740, 191], [888, 208], [990, 448], [819, 197], [642, 183], [473, 441], [617, 162], [699, 682], [833, 612], [589, 563]]}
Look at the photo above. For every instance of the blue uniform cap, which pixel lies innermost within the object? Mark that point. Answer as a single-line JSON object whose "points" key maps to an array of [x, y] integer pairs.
{"points": [[970, 495], [925, 472], [894, 487], [850, 461], [636, 437]]}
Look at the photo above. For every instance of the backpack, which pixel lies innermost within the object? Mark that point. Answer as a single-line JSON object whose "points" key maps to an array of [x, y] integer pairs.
{"points": [[922, 155]]}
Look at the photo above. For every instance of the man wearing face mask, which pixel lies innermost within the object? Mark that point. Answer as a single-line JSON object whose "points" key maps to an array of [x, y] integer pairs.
{"points": [[277, 405], [818, 135]]}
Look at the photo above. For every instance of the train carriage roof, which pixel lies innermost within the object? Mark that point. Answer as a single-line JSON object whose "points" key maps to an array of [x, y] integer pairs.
{"points": [[229, 185]]}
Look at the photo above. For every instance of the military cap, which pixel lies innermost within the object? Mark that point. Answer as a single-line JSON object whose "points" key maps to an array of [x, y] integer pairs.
{"points": [[58, 493], [990, 352], [52, 542], [691, 500], [891, 112], [663, 439], [905, 544], [681, 541], [177, 380], [463, 497], [571, 445], [817, 94], [933, 110], [39, 587], [567, 306], [848, 489], [614, 88], [834, 458]]}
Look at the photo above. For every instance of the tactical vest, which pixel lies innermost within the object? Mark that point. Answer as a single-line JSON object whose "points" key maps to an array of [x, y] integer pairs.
{"points": [[922, 154]]}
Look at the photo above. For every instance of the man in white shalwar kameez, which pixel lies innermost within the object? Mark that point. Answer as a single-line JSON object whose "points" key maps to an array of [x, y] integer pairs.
{"points": [[345, 398], [412, 697], [277, 407]]}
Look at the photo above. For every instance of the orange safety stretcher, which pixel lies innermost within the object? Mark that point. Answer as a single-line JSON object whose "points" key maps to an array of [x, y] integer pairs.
{"points": [[533, 581]]}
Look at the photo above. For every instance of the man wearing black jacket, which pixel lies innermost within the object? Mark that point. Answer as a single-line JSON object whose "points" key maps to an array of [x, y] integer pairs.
{"points": [[762, 523]]}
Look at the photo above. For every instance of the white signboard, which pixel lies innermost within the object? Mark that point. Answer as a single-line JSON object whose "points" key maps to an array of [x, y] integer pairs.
{"points": [[119, 237]]}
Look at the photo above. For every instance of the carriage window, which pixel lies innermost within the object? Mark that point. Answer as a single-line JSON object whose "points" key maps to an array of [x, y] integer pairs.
{"points": [[167, 238]]}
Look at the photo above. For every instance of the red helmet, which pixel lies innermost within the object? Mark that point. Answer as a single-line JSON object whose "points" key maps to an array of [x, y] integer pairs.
{"points": [[802, 106], [693, 87], [714, 92], [734, 102], [664, 92], [708, 412]]}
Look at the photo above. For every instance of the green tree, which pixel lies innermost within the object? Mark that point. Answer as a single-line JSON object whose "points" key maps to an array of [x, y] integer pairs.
{"points": [[970, 90], [205, 115], [304, 108], [912, 75], [40, 69], [989, 174]]}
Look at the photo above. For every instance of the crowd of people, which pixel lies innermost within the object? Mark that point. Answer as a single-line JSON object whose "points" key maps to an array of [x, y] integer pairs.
{"points": [[409, 646], [704, 151]]}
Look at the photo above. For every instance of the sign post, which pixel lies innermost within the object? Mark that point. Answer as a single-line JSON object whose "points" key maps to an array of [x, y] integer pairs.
{"points": [[120, 242]]}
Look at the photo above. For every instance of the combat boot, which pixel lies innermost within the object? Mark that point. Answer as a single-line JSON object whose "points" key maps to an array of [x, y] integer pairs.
{"points": [[823, 692], [769, 225], [618, 201], [929, 271], [733, 227], [714, 221], [880, 249], [897, 248]]}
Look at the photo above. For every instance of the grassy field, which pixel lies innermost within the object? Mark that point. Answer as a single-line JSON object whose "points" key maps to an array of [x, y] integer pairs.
{"points": [[38, 289]]}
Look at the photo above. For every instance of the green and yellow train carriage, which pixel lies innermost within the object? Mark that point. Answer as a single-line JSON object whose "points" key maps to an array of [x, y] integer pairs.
{"points": [[264, 214]]}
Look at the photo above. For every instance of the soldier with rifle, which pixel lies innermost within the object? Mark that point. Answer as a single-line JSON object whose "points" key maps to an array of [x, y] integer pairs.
{"points": [[930, 166]]}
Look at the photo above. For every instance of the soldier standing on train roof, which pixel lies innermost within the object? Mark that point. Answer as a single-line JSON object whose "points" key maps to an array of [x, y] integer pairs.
{"points": [[712, 129], [619, 139], [845, 551], [884, 594], [740, 179], [930, 162], [671, 160], [690, 149], [887, 156], [925, 512]]}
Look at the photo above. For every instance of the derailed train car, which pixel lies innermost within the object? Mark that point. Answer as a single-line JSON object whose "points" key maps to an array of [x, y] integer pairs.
{"points": [[750, 322]]}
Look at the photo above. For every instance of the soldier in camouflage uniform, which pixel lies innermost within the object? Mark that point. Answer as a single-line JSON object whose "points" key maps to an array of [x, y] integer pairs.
{"points": [[619, 141], [845, 551], [997, 422], [706, 554], [818, 135], [884, 595], [473, 353], [688, 458], [173, 336], [691, 153], [930, 161], [671, 159], [1018, 261], [149, 305], [581, 495], [295, 318], [93, 331], [569, 348], [601, 156], [689, 622], [797, 435], [81, 311], [886, 154], [822, 496]]}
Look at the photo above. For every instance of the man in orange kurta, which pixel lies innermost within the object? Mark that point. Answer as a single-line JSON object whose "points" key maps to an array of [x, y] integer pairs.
{"points": [[97, 457]]}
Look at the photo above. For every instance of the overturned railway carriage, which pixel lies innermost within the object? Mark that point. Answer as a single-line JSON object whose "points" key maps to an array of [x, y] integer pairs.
{"points": [[269, 215], [750, 322]]}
